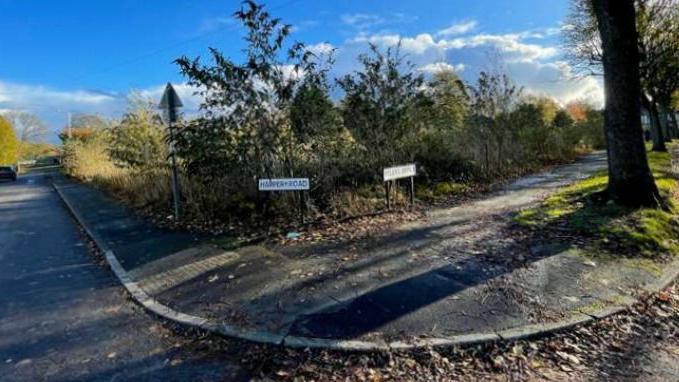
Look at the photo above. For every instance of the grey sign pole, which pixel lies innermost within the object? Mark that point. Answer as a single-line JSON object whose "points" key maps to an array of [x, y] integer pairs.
{"points": [[171, 102]]}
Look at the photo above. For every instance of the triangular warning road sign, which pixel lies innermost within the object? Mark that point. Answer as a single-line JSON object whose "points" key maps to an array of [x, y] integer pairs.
{"points": [[170, 98]]}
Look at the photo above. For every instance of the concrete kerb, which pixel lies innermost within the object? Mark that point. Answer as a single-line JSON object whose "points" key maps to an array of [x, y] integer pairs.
{"points": [[222, 329]]}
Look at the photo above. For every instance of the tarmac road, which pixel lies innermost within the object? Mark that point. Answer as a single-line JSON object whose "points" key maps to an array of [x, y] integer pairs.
{"points": [[63, 317]]}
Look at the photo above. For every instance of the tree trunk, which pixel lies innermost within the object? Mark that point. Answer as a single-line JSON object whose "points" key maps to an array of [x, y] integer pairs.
{"points": [[665, 122], [662, 117], [675, 127], [662, 133], [500, 160], [656, 131], [630, 181]]}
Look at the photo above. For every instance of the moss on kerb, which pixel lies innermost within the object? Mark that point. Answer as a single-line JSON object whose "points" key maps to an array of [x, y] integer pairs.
{"points": [[597, 307], [580, 208], [644, 264], [647, 264], [229, 243]]}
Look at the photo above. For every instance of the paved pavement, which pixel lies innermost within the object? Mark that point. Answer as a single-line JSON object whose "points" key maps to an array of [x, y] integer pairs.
{"points": [[459, 271], [65, 318]]}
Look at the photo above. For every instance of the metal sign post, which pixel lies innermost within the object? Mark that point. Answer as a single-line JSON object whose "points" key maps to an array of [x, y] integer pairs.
{"points": [[302, 206], [392, 174], [287, 184], [170, 102]]}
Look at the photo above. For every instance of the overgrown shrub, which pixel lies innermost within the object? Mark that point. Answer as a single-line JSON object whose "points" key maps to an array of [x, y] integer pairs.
{"points": [[438, 159], [272, 117], [138, 141], [88, 159], [380, 105]]}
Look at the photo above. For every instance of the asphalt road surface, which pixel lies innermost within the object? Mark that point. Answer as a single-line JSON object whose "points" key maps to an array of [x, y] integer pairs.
{"points": [[63, 317]]}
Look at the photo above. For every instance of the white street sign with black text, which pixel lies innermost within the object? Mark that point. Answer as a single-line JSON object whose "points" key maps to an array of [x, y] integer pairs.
{"points": [[284, 184], [398, 172]]}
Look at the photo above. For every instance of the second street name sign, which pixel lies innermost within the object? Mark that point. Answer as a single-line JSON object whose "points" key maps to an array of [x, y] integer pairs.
{"points": [[398, 172], [284, 184]]}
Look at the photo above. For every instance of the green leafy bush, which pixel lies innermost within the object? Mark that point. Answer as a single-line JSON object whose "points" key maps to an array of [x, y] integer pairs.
{"points": [[138, 141]]}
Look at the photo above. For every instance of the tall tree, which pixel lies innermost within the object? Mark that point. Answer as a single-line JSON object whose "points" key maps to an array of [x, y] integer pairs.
{"points": [[91, 121], [630, 181], [449, 100], [28, 126], [380, 103], [312, 112], [83, 127], [247, 104], [581, 40], [657, 23], [9, 145], [492, 98]]}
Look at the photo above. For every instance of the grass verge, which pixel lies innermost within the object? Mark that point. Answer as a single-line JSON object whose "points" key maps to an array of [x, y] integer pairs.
{"points": [[580, 210]]}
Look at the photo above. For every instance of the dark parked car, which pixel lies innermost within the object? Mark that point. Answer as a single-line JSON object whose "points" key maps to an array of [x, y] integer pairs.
{"points": [[7, 172]]}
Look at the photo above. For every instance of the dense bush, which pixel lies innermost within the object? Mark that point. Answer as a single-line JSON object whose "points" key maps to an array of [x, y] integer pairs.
{"points": [[380, 106], [138, 141], [88, 159], [268, 117]]}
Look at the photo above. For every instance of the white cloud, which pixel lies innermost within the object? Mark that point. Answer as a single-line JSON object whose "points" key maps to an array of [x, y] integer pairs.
{"points": [[437, 67], [556, 80], [53, 105], [319, 49], [417, 44], [362, 20], [509, 44], [402, 18], [291, 73], [553, 31], [305, 25], [528, 55], [567, 27], [18, 95], [458, 28], [215, 23]]}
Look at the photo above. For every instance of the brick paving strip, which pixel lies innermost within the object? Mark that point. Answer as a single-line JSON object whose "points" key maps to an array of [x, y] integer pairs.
{"points": [[455, 277]]}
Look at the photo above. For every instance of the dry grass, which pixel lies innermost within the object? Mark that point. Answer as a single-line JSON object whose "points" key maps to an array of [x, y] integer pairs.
{"points": [[88, 161], [223, 201], [151, 188]]}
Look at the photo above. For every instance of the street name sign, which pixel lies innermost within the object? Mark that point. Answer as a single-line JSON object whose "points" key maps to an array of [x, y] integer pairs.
{"points": [[398, 172], [284, 184]]}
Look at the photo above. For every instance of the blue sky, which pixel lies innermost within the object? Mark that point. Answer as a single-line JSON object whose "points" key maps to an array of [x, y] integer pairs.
{"points": [[85, 56]]}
